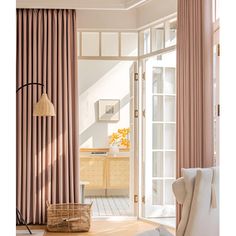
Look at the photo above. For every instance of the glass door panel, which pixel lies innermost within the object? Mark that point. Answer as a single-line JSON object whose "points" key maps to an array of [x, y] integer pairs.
{"points": [[157, 103], [159, 136], [157, 81], [169, 136], [157, 161], [170, 111]]}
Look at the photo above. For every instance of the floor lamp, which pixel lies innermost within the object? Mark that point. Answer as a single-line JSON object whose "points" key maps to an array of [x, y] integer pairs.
{"points": [[43, 107]]}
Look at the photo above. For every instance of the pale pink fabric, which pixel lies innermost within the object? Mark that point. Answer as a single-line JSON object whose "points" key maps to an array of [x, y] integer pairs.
{"points": [[194, 85], [47, 160]]}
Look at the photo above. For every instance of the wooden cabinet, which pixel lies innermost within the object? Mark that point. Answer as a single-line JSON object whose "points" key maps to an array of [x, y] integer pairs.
{"points": [[117, 173], [93, 169], [105, 172]]}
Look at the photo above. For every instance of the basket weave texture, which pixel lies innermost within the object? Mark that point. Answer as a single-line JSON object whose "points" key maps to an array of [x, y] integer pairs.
{"points": [[70, 217]]}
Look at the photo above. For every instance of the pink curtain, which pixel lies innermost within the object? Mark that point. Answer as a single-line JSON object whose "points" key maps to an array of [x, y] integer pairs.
{"points": [[47, 160], [194, 85]]}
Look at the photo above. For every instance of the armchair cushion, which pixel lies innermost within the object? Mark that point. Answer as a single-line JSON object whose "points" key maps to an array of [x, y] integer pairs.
{"points": [[201, 203], [189, 180], [179, 190], [202, 214], [161, 231]]}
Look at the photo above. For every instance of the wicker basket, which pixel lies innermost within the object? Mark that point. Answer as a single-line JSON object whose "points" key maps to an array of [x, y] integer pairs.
{"points": [[68, 217]]}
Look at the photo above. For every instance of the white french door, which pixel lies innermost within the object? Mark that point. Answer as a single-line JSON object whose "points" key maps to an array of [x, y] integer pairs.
{"points": [[159, 156]]}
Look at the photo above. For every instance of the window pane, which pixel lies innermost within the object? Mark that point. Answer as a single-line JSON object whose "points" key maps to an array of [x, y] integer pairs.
{"points": [[170, 32], [157, 164], [170, 112], [157, 80], [110, 44], [157, 108], [170, 136], [158, 36], [170, 80], [129, 44], [90, 44], [157, 136], [169, 197], [157, 192], [170, 164], [144, 42]]}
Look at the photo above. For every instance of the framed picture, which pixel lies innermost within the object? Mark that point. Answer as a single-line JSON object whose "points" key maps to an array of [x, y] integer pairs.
{"points": [[109, 110]]}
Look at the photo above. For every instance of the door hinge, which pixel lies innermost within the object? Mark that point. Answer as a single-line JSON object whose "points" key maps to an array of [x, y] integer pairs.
{"points": [[218, 49], [135, 198], [144, 113], [136, 76], [143, 199], [136, 113], [143, 76], [218, 110]]}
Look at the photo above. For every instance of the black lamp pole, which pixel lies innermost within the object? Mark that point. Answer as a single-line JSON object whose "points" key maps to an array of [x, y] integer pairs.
{"points": [[21, 220], [19, 216], [33, 83]]}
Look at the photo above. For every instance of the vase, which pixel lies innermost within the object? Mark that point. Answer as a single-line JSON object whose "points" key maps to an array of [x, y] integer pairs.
{"points": [[114, 150]]}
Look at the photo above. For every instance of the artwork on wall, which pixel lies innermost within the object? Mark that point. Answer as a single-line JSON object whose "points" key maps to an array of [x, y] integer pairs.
{"points": [[109, 110]]}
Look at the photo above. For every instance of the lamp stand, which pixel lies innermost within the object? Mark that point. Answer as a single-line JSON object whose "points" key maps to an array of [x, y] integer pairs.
{"points": [[21, 220]]}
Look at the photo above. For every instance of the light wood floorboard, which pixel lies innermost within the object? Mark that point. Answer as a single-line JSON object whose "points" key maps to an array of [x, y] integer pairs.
{"points": [[109, 206], [107, 228]]}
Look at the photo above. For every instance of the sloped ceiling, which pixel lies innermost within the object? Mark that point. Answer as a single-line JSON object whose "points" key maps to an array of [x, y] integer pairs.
{"points": [[81, 4]]}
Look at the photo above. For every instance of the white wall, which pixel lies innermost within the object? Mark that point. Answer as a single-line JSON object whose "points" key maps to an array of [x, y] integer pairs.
{"points": [[155, 10], [103, 19], [102, 80], [129, 19]]}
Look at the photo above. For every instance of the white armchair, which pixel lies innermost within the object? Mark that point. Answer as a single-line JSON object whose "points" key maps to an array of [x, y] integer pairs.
{"points": [[198, 192]]}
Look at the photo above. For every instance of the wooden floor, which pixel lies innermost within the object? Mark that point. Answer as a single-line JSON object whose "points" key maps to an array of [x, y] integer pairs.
{"points": [[110, 206], [107, 228]]}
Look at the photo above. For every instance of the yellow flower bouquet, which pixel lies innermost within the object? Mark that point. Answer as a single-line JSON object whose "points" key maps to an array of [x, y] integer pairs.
{"points": [[120, 138]]}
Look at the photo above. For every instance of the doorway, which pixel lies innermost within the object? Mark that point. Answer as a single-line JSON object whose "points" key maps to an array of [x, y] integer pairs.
{"points": [[108, 175]]}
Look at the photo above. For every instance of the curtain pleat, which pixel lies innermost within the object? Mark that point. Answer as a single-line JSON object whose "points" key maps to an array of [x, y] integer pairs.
{"points": [[47, 147], [194, 86]]}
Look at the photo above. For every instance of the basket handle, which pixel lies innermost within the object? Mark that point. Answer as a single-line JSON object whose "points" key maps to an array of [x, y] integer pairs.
{"points": [[47, 203], [66, 220], [71, 219]]}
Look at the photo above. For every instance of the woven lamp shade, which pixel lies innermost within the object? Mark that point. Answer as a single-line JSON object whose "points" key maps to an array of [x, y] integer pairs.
{"points": [[44, 107]]}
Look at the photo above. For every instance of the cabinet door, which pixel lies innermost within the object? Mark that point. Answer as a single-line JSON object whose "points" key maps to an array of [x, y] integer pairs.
{"points": [[118, 173], [92, 169]]}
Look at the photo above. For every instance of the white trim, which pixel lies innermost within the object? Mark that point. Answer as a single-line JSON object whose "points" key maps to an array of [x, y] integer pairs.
{"points": [[129, 58], [107, 30], [135, 3], [122, 58], [158, 52]]}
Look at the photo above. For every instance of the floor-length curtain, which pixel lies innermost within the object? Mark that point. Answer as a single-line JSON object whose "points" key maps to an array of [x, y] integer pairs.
{"points": [[194, 85], [47, 160]]}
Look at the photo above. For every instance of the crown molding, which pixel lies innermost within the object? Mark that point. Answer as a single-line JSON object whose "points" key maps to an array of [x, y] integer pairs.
{"points": [[129, 4], [81, 4]]}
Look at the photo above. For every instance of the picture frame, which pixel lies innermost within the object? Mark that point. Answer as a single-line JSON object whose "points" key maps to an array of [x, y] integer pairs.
{"points": [[109, 110]]}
